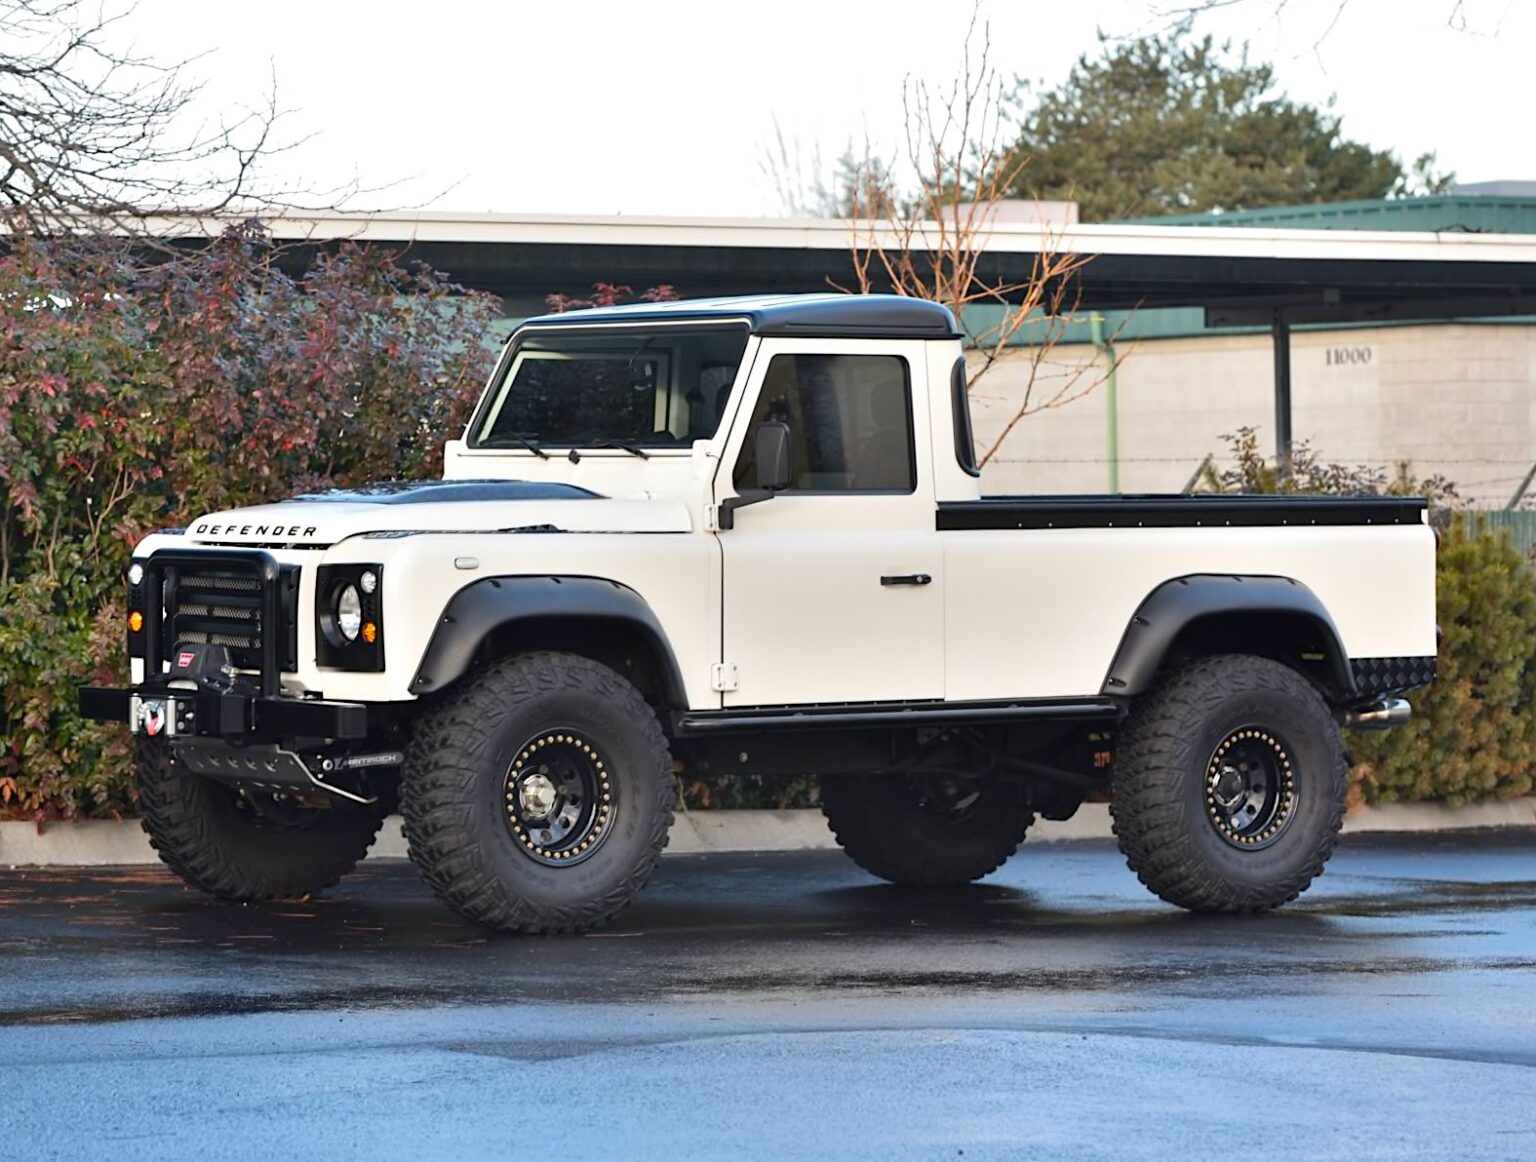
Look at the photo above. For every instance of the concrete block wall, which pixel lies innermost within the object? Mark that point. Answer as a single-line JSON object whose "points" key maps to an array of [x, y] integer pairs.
{"points": [[1453, 399]]}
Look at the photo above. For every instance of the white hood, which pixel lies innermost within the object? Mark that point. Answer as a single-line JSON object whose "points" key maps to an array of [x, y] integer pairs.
{"points": [[436, 506]]}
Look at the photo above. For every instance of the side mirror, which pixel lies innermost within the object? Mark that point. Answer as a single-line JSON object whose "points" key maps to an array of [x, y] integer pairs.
{"points": [[775, 457]]}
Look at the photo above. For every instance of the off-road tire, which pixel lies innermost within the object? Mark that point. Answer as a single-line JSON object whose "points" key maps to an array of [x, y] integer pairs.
{"points": [[880, 822], [454, 794], [204, 835], [1158, 790]]}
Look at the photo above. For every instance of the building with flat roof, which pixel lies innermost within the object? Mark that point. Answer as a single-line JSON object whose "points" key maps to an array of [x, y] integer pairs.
{"points": [[1379, 332]]}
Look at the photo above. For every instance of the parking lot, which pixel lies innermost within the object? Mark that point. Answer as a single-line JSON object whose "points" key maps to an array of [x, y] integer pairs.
{"points": [[785, 1006]]}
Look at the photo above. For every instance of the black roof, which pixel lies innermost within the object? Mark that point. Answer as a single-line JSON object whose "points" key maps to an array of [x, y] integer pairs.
{"points": [[802, 316]]}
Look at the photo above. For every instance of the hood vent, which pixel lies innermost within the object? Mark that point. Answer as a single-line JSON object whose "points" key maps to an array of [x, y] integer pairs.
{"points": [[439, 491]]}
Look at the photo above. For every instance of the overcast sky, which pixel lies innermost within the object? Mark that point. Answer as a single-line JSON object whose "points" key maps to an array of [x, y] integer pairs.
{"points": [[663, 107]]}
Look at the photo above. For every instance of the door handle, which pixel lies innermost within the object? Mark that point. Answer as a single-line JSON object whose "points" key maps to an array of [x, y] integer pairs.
{"points": [[905, 579]]}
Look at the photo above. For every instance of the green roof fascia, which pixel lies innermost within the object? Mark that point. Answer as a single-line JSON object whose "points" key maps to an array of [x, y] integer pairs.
{"points": [[1431, 213], [1435, 213]]}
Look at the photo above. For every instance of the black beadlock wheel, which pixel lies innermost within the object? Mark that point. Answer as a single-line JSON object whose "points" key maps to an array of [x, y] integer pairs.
{"points": [[926, 830], [246, 845], [560, 798], [537, 797], [1250, 788], [1229, 785]]}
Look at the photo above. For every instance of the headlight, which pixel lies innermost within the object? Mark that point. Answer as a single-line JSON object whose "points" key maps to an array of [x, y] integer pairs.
{"points": [[349, 617], [349, 612], [135, 573]]}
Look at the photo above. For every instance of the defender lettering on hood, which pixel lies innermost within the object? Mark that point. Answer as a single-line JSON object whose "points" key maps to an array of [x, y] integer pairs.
{"points": [[269, 532]]}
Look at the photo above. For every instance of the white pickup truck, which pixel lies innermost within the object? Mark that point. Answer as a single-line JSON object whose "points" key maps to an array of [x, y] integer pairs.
{"points": [[748, 535]]}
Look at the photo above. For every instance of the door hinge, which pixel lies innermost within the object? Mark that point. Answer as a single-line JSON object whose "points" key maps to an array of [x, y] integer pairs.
{"points": [[712, 518], [723, 677]]}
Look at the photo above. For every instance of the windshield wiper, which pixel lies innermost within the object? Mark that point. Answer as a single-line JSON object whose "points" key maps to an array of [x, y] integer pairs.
{"points": [[622, 445], [500, 441]]}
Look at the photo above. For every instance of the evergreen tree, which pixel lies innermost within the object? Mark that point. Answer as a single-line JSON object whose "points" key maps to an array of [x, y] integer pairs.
{"points": [[1172, 125]]}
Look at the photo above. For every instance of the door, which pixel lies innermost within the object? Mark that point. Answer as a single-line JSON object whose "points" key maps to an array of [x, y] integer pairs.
{"points": [[833, 588]]}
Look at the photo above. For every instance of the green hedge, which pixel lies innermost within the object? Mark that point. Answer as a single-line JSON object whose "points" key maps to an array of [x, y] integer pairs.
{"points": [[1473, 733]]}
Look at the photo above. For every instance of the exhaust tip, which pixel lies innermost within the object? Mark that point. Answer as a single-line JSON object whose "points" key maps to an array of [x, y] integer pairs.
{"points": [[1381, 715]]}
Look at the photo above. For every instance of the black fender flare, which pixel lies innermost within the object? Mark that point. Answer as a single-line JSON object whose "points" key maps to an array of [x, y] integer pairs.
{"points": [[1176, 604], [491, 603]]}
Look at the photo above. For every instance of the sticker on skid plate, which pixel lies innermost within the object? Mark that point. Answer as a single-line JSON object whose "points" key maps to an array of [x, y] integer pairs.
{"points": [[184, 659]]}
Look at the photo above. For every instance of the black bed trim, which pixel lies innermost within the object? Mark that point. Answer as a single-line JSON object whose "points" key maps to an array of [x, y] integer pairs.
{"points": [[1102, 512]]}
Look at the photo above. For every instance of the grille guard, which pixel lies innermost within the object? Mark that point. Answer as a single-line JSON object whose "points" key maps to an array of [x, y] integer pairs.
{"points": [[258, 563]]}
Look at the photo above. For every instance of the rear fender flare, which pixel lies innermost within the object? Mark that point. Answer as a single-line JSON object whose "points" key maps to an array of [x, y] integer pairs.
{"points": [[1177, 604]]}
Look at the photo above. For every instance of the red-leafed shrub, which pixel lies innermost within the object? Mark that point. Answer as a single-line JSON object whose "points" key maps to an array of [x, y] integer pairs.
{"points": [[609, 294], [134, 396]]}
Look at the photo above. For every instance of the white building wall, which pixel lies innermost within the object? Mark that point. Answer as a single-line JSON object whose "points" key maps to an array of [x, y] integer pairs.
{"points": [[1454, 399]]}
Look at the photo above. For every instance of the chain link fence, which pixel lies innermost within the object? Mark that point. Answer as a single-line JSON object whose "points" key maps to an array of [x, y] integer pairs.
{"points": [[1518, 523]]}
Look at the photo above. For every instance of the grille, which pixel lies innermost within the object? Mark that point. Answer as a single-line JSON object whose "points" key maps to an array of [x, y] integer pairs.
{"points": [[223, 608]]}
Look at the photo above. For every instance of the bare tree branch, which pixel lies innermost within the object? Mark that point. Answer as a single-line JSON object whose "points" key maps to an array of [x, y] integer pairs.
{"points": [[1191, 11], [808, 188], [93, 135], [932, 244]]}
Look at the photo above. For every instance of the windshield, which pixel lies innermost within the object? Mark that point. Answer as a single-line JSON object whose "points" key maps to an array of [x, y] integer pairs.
{"points": [[637, 388]]}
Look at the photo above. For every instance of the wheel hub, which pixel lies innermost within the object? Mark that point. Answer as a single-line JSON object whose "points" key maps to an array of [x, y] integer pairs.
{"points": [[559, 798], [1250, 788], [1230, 788], [538, 794]]}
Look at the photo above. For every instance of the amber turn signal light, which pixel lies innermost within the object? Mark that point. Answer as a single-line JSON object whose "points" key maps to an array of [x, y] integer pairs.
{"points": [[370, 632], [135, 621]]}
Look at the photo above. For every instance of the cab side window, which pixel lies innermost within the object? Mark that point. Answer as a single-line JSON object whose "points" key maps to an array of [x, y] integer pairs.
{"points": [[850, 420]]}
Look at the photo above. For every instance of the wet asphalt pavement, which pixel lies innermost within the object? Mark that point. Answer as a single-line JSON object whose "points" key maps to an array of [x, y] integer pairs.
{"points": [[784, 1006]]}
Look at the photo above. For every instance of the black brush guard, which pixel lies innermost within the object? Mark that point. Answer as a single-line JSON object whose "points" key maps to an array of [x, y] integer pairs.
{"points": [[225, 707]]}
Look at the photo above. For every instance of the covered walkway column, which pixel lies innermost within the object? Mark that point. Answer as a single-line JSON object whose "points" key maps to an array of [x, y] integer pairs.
{"points": [[1280, 336]]}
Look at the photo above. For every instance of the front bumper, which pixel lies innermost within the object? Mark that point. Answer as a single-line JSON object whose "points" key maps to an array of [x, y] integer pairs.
{"points": [[285, 745], [155, 709]]}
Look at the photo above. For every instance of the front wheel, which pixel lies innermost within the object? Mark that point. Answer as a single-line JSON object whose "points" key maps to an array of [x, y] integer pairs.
{"points": [[243, 843], [1229, 785], [538, 797]]}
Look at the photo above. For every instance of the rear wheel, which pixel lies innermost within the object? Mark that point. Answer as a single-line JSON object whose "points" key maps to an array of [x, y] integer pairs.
{"points": [[243, 844], [926, 830], [1229, 785], [538, 798]]}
